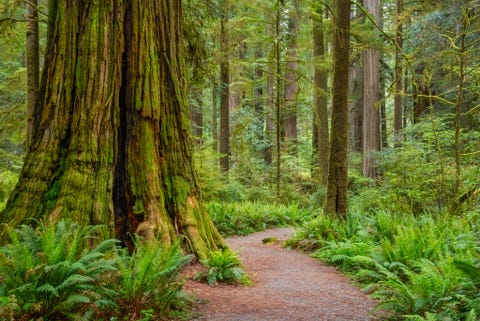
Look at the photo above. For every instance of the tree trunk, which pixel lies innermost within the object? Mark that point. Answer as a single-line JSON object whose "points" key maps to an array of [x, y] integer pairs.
{"points": [[421, 94], [291, 74], [397, 77], [224, 99], [259, 101], [111, 143], [196, 115], [214, 115], [278, 104], [33, 66], [371, 98], [320, 140], [356, 105], [461, 56], [268, 152], [336, 201]]}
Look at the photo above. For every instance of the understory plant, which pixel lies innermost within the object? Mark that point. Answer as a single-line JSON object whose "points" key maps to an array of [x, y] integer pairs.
{"points": [[63, 272], [149, 279], [49, 273], [248, 217], [222, 266], [422, 267]]}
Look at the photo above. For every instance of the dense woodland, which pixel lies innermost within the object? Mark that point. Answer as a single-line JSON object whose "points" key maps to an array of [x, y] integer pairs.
{"points": [[357, 122]]}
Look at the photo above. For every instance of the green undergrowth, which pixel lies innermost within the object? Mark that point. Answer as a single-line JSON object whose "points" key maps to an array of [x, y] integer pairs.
{"points": [[61, 272], [223, 266], [8, 179], [248, 217], [423, 267]]}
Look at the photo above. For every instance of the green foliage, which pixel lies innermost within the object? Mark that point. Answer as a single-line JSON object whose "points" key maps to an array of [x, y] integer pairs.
{"points": [[149, 278], [422, 267], [54, 272], [418, 176], [223, 266], [247, 217], [48, 273], [8, 180]]}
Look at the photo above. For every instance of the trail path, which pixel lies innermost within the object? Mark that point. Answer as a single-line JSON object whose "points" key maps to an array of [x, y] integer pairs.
{"points": [[287, 286]]}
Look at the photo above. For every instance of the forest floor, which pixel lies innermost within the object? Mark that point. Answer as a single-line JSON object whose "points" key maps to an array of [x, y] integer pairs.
{"points": [[286, 286]]}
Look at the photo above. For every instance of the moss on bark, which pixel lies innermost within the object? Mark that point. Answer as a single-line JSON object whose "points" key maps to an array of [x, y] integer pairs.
{"points": [[111, 143]]}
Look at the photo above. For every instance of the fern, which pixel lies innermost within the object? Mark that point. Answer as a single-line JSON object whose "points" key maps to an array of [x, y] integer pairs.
{"points": [[223, 266], [149, 277], [47, 272]]}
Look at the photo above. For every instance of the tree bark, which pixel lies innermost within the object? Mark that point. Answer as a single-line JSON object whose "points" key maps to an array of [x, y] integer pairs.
{"points": [[371, 98], [214, 115], [33, 66], [278, 102], [356, 104], [224, 99], [196, 115], [291, 74], [320, 139], [268, 152], [397, 77], [111, 144], [421, 92], [259, 95], [336, 200]]}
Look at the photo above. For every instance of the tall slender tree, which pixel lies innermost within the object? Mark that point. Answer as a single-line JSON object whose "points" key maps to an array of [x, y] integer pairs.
{"points": [[320, 140], [371, 98], [336, 201], [225, 91], [33, 65], [291, 76], [356, 104], [111, 143], [397, 76]]}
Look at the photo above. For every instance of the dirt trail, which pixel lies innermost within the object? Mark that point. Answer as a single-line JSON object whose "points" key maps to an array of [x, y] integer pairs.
{"points": [[287, 286]]}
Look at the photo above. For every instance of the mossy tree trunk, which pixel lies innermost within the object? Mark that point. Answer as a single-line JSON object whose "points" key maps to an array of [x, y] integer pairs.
{"points": [[336, 200], [111, 142], [291, 79], [33, 64], [320, 139], [371, 99], [224, 94], [397, 76]]}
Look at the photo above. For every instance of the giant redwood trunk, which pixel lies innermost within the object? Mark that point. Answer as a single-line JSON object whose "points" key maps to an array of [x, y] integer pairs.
{"points": [[111, 142]]}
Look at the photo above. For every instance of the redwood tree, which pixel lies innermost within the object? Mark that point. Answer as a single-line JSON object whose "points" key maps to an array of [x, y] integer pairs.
{"points": [[291, 75], [336, 201], [320, 140], [371, 98], [111, 143], [33, 64], [225, 93]]}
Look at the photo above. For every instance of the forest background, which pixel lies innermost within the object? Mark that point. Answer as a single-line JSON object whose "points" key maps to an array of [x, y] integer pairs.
{"points": [[259, 87]]}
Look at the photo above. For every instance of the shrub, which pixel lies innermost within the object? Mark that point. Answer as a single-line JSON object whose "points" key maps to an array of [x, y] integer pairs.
{"points": [[223, 266], [247, 217], [48, 273], [8, 180], [422, 267], [149, 278]]}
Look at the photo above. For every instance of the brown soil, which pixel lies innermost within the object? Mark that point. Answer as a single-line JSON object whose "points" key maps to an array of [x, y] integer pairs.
{"points": [[287, 286]]}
